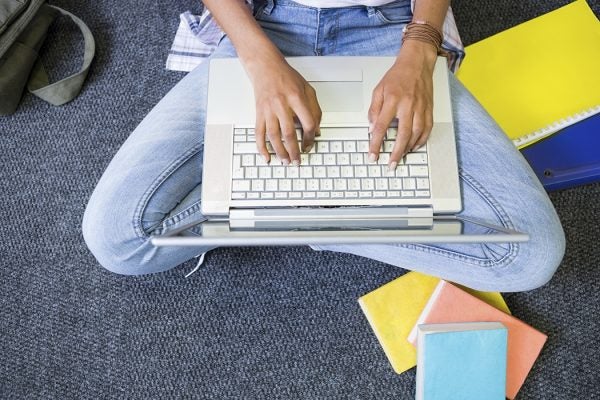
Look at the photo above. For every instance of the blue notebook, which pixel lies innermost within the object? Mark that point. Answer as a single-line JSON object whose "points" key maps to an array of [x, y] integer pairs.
{"points": [[568, 158], [464, 361]]}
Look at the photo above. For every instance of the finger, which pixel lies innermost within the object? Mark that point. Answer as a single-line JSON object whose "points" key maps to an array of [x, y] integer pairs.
{"points": [[418, 127], [427, 130], [274, 134], [375, 108], [315, 110], [260, 132], [405, 122], [308, 122], [288, 134], [382, 122]]}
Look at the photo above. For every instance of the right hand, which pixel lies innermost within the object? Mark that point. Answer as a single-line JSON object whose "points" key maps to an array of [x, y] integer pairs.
{"points": [[281, 94]]}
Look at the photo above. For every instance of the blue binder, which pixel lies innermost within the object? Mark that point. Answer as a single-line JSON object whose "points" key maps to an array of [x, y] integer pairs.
{"points": [[568, 158]]}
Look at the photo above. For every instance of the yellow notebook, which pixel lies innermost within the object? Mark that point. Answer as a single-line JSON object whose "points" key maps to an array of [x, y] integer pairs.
{"points": [[393, 309], [540, 76]]}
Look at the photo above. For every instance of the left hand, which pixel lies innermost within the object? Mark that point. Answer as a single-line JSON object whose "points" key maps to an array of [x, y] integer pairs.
{"points": [[405, 92]]}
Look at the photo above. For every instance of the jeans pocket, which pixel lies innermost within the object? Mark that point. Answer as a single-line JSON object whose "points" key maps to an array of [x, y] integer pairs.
{"points": [[397, 12]]}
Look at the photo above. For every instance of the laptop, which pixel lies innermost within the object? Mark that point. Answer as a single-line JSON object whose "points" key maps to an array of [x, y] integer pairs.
{"points": [[336, 195]]}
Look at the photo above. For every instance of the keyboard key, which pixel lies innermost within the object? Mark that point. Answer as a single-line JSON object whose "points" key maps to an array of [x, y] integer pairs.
{"points": [[278, 172], [361, 171], [315, 159], [258, 185], [326, 184], [271, 185], [381, 184], [309, 195], [250, 131], [339, 184], [418, 170], [281, 195], [407, 193], [333, 172], [374, 170], [298, 185], [238, 195], [260, 161], [285, 185], [365, 194], [384, 159], [239, 138], [422, 183], [264, 172], [401, 171], [239, 131], [292, 172], [354, 184], [238, 173], [347, 171], [266, 195], [251, 172], [393, 194], [422, 193], [395, 183], [295, 195], [320, 172], [252, 195], [240, 186], [336, 147], [379, 194], [392, 133], [363, 146], [388, 146], [245, 148], [343, 159], [323, 195], [349, 146], [248, 160], [329, 159], [416, 158], [306, 172], [351, 195], [312, 184], [367, 184], [409, 184], [357, 159], [337, 195], [322, 147], [304, 158]]}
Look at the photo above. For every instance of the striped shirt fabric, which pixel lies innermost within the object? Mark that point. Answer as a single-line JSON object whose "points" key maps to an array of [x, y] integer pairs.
{"points": [[199, 35]]}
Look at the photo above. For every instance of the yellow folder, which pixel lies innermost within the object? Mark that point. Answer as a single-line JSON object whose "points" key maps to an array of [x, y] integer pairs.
{"points": [[393, 309], [540, 76]]}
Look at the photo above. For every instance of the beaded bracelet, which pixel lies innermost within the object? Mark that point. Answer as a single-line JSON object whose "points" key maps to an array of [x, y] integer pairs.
{"points": [[424, 32]]}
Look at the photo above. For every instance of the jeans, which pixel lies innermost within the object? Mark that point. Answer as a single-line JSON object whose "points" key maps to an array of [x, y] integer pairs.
{"points": [[153, 184]]}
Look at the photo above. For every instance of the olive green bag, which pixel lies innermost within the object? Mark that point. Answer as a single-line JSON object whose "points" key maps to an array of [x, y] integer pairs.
{"points": [[23, 28]]}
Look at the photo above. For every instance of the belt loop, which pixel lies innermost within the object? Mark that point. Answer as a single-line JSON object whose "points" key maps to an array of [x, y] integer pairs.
{"points": [[269, 7], [371, 11]]}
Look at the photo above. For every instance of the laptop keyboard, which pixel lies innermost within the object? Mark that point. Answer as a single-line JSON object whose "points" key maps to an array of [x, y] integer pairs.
{"points": [[337, 167]]}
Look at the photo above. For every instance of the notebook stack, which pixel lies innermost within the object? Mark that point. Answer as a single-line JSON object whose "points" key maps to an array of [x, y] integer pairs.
{"points": [[464, 343]]}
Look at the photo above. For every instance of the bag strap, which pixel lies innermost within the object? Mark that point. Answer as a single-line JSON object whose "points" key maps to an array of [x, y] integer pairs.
{"points": [[66, 89]]}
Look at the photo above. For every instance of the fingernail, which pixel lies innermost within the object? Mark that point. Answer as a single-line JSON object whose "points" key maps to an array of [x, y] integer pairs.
{"points": [[285, 161], [372, 157], [267, 159], [392, 166], [295, 163], [308, 148]]}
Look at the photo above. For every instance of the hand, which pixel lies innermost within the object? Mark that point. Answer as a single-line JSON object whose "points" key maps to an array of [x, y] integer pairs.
{"points": [[281, 94], [405, 92]]}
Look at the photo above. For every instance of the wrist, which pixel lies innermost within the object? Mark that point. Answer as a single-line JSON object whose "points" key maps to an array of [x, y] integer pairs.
{"points": [[418, 50], [255, 62]]}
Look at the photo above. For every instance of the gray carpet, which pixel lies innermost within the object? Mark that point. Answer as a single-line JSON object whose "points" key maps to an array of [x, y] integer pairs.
{"points": [[254, 323]]}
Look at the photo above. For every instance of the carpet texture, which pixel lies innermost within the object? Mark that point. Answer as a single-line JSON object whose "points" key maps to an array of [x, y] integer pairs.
{"points": [[254, 322]]}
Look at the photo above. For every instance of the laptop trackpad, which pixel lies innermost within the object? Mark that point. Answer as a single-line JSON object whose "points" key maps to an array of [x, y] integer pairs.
{"points": [[339, 96]]}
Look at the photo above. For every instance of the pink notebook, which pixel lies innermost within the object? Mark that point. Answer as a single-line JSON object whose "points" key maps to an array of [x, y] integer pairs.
{"points": [[451, 304]]}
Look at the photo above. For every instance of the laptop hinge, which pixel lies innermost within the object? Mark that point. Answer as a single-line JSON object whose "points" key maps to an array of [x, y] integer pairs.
{"points": [[342, 217]]}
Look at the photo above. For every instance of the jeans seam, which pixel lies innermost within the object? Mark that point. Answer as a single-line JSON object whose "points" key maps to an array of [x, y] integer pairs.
{"points": [[174, 219], [498, 210], [143, 204]]}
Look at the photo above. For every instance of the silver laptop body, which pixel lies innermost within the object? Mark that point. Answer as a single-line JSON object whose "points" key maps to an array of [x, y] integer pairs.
{"points": [[335, 195]]}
